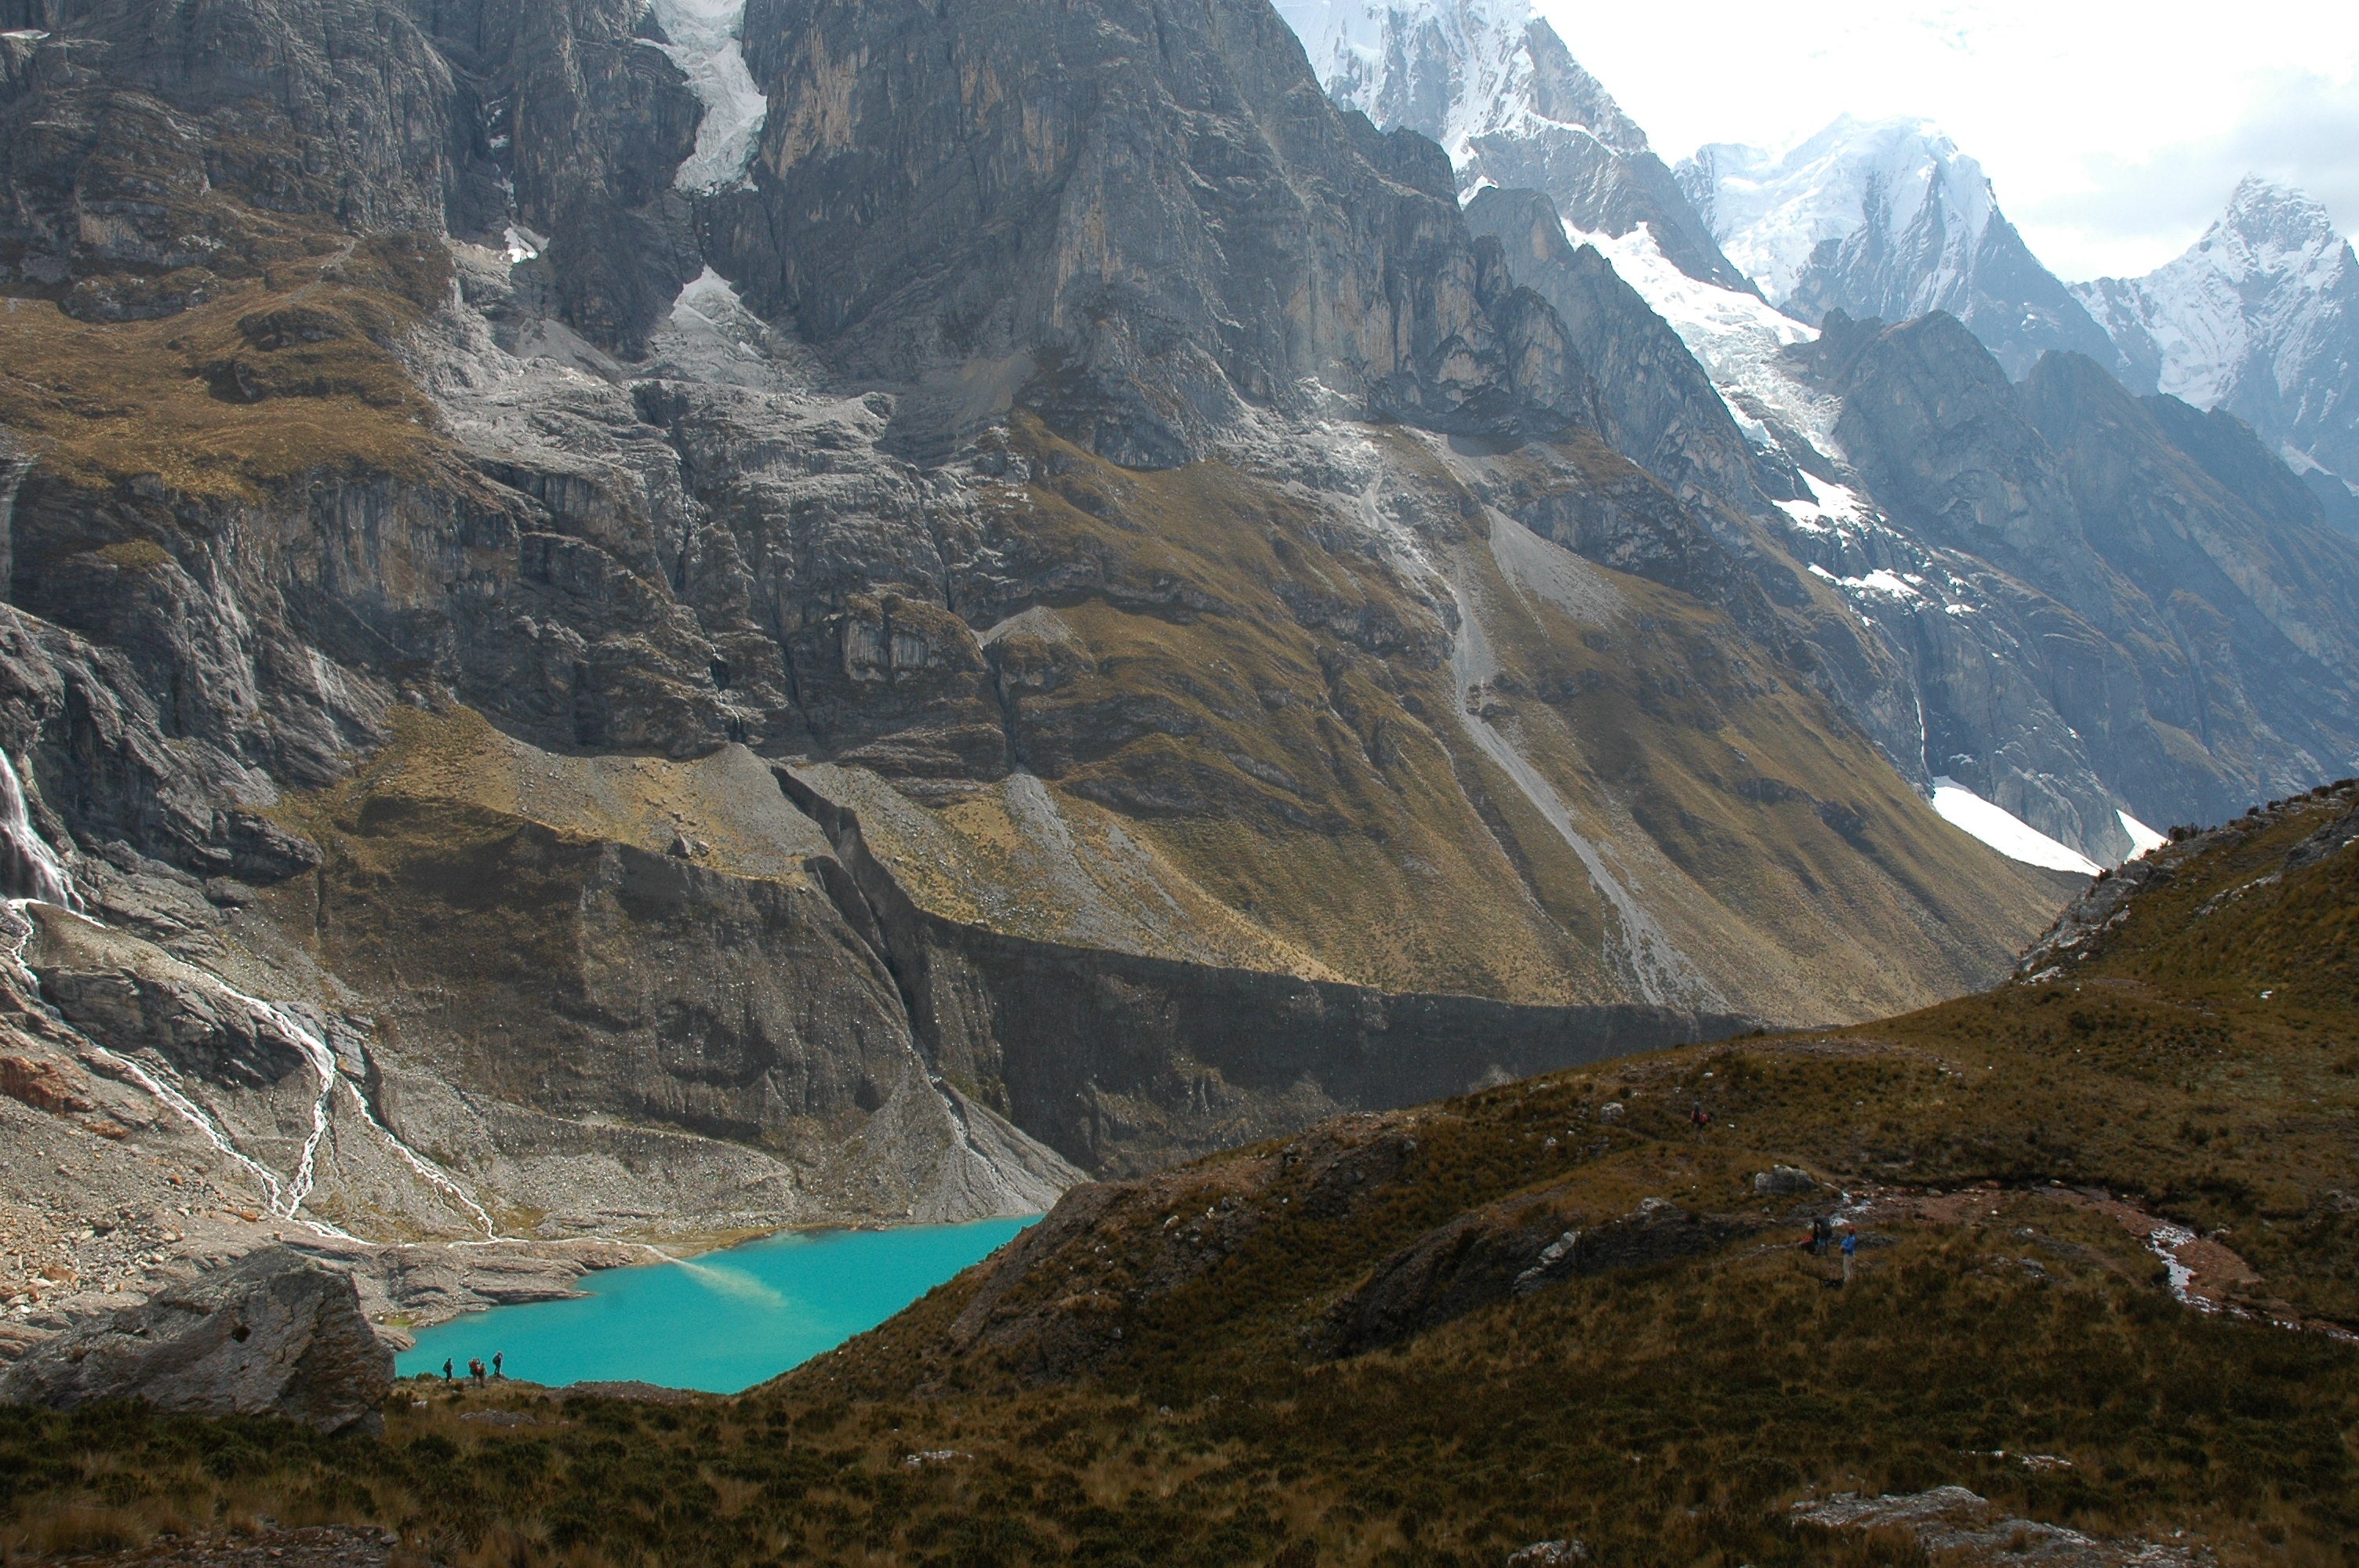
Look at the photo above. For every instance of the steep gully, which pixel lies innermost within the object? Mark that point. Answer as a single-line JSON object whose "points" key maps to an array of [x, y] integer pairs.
{"points": [[1641, 950]]}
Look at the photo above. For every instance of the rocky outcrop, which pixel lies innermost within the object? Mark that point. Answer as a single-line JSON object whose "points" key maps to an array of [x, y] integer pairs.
{"points": [[272, 1334], [1504, 1250], [261, 127]]}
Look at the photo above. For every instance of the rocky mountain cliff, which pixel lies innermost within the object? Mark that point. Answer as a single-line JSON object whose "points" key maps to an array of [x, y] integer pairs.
{"points": [[1887, 218], [1988, 641], [591, 659], [2259, 318]]}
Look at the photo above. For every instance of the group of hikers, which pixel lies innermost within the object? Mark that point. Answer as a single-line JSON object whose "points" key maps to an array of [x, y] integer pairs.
{"points": [[1822, 1228], [1823, 1235], [475, 1372]]}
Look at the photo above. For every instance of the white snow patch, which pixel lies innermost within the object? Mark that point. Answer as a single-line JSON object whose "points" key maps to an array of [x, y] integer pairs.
{"points": [[2004, 831], [1901, 587], [1829, 506], [1890, 584], [522, 245], [2142, 839], [705, 43], [2164, 1242]]}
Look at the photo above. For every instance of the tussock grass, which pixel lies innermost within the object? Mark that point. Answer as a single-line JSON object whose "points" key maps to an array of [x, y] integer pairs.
{"points": [[273, 378]]}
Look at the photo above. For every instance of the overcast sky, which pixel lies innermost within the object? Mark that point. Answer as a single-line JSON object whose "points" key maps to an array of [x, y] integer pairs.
{"points": [[2114, 130]]}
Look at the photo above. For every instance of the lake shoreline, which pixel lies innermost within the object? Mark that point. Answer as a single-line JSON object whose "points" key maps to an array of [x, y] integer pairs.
{"points": [[718, 1320]]}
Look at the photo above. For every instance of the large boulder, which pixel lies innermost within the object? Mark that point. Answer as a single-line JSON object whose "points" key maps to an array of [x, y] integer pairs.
{"points": [[273, 1333]]}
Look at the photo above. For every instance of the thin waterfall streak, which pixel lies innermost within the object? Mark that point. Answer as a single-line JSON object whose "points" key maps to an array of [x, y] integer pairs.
{"points": [[283, 1199], [323, 1062], [431, 1173], [194, 1115], [25, 856]]}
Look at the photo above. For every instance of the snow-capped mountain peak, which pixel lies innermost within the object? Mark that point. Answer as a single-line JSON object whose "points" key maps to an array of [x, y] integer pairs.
{"points": [[1887, 219], [1455, 70], [1772, 212], [1497, 88], [2260, 316], [2275, 220]]}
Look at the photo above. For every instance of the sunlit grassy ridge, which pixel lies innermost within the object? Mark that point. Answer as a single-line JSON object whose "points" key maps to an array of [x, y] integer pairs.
{"points": [[275, 376], [1152, 1375], [1259, 689]]}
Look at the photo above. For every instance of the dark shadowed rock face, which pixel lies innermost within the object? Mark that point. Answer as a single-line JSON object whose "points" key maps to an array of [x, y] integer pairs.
{"points": [[1146, 202], [156, 155], [2172, 589], [273, 1333]]}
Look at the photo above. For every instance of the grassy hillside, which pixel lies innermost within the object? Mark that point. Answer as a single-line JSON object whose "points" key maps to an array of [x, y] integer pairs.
{"points": [[1373, 1344], [1254, 747], [289, 373]]}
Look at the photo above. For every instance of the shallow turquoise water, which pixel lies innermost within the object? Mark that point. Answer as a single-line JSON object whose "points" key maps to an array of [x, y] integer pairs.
{"points": [[723, 1322]]}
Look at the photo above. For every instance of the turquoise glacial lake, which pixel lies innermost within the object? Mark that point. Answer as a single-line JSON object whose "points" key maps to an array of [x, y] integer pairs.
{"points": [[723, 1322]]}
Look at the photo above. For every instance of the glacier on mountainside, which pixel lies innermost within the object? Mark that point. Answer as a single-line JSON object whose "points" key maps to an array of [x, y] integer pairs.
{"points": [[705, 43], [1734, 335], [2260, 316]]}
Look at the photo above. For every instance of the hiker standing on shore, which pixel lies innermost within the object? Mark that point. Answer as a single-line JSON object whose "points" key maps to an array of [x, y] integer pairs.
{"points": [[496, 1357], [446, 1369], [476, 1369]]}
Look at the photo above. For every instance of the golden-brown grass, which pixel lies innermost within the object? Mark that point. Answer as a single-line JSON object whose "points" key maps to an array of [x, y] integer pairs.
{"points": [[275, 378]]}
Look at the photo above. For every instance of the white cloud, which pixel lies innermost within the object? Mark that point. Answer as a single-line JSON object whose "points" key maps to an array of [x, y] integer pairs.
{"points": [[2114, 130]]}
